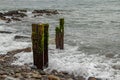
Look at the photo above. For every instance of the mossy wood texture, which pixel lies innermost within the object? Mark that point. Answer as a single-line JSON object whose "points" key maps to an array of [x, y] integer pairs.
{"points": [[46, 39], [40, 45], [60, 35]]}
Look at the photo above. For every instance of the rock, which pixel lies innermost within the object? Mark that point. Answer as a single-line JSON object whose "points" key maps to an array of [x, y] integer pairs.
{"points": [[22, 15], [46, 11], [11, 78], [110, 55], [55, 72], [42, 72], [52, 77], [2, 77], [20, 37], [15, 13], [1, 14], [117, 67], [7, 32], [80, 78], [17, 75], [91, 78], [8, 20], [40, 14], [37, 76], [71, 79], [28, 49], [15, 19], [2, 18], [10, 13], [22, 10]]}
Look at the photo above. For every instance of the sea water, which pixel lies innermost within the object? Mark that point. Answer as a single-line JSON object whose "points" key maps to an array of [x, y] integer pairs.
{"points": [[92, 35]]}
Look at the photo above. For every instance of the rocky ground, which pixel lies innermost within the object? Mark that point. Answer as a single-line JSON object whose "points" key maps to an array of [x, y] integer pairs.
{"points": [[26, 72]]}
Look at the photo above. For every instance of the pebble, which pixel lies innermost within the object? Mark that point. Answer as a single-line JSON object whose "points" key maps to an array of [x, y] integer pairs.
{"points": [[11, 78], [52, 77]]}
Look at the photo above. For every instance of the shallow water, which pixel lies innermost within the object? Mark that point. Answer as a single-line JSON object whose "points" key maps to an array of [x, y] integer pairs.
{"points": [[92, 34]]}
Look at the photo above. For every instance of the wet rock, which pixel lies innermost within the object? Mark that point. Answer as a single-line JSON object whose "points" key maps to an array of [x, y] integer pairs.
{"points": [[42, 72], [22, 15], [10, 13], [7, 32], [8, 20], [28, 49], [2, 18], [40, 14], [22, 10], [116, 67], [15, 13], [15, 19], [20, 37], [55, 72], [52, 77], [92, 78], [110, 55], [48, 12], [80, 78], [1, 14]]}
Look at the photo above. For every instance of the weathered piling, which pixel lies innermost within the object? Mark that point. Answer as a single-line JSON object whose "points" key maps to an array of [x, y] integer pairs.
{"points": [[34, 43], [46, 39], [38, 45], [60, 35], [57, 34]]}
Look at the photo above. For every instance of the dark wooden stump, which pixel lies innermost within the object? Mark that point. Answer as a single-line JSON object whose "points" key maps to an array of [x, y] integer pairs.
{"points": [[46, 38], [60, 35], [38, 45]]}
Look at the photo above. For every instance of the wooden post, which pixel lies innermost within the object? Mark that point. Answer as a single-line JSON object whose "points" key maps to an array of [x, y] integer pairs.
{"points": [[57, 31], [62, 33], [34, 43], [38, 45], [46, 38], [40, 57]]}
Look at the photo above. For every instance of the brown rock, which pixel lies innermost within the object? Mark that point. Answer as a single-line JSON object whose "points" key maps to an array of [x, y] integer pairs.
{"points": [[28, 49], [37, 76], [7, 32], [20, 37], [15, 13], [46, 11], [10, 13], [52, 77], [15, 19], [91, 78], [22, 10], [17, 75]]}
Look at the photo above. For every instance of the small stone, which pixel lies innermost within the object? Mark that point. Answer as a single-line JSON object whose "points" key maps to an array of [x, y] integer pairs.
{"points": [[70, 79], [3, 76], [42, 72], [81, 78], [37, 76], [91, 78], [52, 77], [17, 75], [11, 78]]}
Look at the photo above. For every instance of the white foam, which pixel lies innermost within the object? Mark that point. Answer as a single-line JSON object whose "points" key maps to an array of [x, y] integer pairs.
{"points": [[77, 64], [7, 43], [23, 57]]}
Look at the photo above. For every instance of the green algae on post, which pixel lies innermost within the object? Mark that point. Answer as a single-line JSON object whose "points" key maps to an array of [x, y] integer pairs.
{"points": [[46, 39]]}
